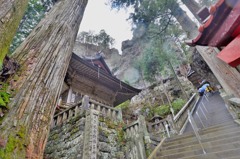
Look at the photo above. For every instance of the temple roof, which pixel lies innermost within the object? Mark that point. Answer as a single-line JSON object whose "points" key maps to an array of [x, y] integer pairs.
{"points": [[221, 26], [99, 62], [85, 76]]}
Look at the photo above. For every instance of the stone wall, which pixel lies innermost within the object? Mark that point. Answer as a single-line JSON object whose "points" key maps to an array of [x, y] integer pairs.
{"points": [[109, 147], [137, 139], [66, 140], [81, 134]]}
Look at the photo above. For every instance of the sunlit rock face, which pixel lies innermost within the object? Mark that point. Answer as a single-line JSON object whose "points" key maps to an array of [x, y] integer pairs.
{"points": [[111, 56]]}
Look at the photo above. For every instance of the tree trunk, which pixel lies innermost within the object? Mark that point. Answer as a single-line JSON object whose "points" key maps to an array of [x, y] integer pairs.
{"points": [[44, 57], [11, 13], [183, 19], [178, 82], [193, 6]]}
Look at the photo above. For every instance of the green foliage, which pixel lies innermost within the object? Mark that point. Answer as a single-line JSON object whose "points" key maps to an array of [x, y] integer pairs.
{"points": [[120, 137], [147, 111], [101, 39], [118, 126], [35, 12], [162, 34], [178, 104], [105, 132], [2, 103], [152, 62], [123, 105], [162, 110], [145, 11], [4, 96], [4, 99], [110, 124], [15, 145]]}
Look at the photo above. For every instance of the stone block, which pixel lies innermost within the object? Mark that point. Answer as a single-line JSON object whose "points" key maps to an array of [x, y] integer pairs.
{"points": [[104, 147], [235, 101]]}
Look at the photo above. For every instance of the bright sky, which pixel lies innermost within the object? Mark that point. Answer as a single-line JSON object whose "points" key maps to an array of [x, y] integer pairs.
{"points": [[99, 16]]}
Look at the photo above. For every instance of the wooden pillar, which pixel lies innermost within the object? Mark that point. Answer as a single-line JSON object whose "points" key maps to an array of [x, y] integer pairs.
{"points": [[69, 97]]}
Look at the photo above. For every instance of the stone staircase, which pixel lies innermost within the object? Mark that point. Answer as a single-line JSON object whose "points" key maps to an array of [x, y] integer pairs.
{"points": [[219, 134]]}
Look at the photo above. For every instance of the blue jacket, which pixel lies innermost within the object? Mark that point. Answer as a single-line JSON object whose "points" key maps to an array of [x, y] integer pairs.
{"points": [[203, 88]]}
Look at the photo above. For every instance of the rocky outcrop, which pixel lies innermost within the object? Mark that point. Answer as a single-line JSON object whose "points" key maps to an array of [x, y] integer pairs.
{"points": [[122, 66], [111, 56]]}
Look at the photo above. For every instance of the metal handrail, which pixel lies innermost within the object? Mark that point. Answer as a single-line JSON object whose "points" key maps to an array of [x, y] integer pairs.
{"points": [[195, 130], [177, 116]]}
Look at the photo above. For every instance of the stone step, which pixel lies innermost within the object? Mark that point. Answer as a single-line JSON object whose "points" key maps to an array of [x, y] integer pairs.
{"points": [[226, 154], [236, 157], [213, 130], [219, 116], [206, 125], [198, 150], [208, 146], [193, 140]]}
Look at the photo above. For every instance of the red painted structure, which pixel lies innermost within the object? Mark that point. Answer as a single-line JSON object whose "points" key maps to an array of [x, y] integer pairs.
{"points": [[222, 29]]}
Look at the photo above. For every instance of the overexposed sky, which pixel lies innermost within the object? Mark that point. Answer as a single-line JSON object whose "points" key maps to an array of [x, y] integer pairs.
{"points": [[99, 16]]}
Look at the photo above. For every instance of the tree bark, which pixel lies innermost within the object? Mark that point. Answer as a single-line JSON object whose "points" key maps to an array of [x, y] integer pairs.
{"points": [[44, 57], [193, 6], [183, 19], [11, 13]]}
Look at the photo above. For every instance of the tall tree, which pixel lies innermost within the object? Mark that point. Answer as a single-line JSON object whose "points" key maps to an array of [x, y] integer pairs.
{"points": [[183, 19], [193, 6], [44, 57], [102, 39], [11, 13]]}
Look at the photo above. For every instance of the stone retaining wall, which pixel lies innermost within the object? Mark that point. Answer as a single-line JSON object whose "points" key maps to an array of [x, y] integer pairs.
{"points": [[66, 140]]}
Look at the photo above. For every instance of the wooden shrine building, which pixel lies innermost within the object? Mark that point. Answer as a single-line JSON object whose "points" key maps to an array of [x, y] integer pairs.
{"points": [[221, 31], [91, 76]]}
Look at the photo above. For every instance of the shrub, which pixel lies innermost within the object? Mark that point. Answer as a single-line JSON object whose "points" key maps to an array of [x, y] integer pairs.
{"points": [[162, 110], [147, 111], [178, 104], [123, 105]]}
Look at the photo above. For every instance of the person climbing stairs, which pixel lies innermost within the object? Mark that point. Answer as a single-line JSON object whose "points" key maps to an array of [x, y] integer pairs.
{"points": [[214, 134]]}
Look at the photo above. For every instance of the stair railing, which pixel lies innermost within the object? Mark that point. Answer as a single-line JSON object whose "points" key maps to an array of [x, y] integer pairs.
{"points": [[161, 126], [180, 119], [195, 130], [167, 129]]}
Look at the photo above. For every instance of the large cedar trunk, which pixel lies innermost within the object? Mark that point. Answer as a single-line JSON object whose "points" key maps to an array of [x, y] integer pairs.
{"points": [[183, 19], [44, 57], [11, 13], [193, 6]]}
